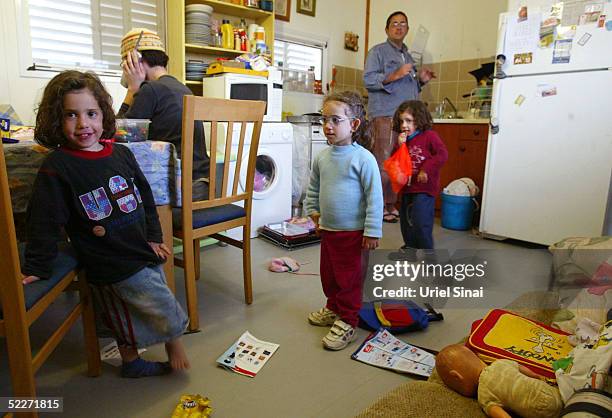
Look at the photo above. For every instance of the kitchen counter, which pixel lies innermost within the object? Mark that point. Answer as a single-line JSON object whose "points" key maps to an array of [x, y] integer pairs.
{"points": [[462, 121]]}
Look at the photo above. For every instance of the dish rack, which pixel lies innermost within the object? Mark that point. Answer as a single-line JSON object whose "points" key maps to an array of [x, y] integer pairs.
{"points": [[480, 101]]}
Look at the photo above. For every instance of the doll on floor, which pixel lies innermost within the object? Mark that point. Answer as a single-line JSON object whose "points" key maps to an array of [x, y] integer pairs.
{"points": [[500, 387]]}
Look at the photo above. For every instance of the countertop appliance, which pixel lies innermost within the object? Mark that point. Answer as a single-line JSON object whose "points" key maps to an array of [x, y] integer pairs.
{"points": [[248, 87], [549, 159]]}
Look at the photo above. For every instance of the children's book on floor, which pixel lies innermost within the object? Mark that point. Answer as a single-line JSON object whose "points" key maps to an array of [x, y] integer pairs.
{"points": [[382, 349], [247, 355]]}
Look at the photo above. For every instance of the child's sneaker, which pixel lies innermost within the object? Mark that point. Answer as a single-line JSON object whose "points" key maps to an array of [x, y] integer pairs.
{"points": [[323, 317], [339, 336]]}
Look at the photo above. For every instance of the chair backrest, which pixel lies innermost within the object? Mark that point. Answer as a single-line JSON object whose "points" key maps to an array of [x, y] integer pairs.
{"points": [[225, 112], [13, 324], [11, 289]]}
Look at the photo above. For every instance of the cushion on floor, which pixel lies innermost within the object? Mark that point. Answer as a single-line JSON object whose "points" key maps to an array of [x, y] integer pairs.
{"points": [[209, 216], [62, 265]]}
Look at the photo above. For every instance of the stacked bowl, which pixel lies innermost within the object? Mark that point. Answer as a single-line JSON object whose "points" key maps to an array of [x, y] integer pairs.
{"points": [[197, 24], [195, 70]]}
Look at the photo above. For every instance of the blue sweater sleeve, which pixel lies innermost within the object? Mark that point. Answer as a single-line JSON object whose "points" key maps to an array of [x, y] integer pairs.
{"points": [[311, 203], [372, 189]]}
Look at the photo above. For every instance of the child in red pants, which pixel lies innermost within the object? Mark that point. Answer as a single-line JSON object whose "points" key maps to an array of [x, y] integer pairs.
{"points": [[345, 199]]}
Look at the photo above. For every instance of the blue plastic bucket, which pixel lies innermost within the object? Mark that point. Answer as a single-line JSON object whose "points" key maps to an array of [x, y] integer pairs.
{"points": [[457, 212]]}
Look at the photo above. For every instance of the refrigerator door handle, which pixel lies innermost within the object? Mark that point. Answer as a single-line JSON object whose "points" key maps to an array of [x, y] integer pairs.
{"points": [[495, 97]]}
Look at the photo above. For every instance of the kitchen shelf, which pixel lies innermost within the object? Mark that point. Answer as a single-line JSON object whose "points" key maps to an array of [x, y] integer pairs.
{"points": [[212, 50], [179, 51], [233, 9]]}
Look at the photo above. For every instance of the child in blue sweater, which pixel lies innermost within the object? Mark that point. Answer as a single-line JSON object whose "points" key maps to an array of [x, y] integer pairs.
{"points": [[345, 200]]}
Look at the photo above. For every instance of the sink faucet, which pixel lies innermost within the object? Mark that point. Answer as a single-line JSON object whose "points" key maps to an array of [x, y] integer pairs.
{"points": [[447, 100]]}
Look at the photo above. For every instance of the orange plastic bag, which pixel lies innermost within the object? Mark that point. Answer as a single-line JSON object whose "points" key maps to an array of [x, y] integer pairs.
{"points": [[399, 168]]}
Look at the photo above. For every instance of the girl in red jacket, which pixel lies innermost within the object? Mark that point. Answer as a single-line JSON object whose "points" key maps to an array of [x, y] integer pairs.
{"points": [[428, 154]]}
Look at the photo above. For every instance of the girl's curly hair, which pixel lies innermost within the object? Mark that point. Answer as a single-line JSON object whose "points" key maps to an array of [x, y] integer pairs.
{"points": [[418, 110], [357, 109], [48, 131]]}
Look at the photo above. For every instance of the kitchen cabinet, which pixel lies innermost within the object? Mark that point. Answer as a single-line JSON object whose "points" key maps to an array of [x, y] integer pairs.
{"points": [[467, 151], [180, 52]]}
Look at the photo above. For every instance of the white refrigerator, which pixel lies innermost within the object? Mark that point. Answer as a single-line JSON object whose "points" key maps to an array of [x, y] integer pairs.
{"points": [[549, 158]]}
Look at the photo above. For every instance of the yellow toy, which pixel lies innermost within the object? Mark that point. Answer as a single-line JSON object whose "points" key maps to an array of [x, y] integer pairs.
{"points": [[192, 406], [500, 387]]}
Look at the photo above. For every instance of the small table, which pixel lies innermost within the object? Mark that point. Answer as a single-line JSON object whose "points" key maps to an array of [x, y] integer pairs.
{"points": [[156, 159]]}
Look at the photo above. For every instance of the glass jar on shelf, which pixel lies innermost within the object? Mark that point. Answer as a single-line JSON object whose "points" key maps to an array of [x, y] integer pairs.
{"points": [[301, 81], [310, 80]]}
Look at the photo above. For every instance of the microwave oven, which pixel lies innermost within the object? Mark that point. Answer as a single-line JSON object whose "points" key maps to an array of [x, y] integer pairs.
{"points": [[247, 87]]}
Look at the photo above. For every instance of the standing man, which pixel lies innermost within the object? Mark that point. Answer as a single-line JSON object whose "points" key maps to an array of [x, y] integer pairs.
{"points": [[391, 77], [154, 94]]}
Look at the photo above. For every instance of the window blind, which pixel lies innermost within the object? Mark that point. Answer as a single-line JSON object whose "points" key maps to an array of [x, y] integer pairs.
{"points": [[296, 56], [87, 33]]}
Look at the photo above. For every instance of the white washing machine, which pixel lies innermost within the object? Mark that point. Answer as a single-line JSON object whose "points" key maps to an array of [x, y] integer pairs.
{"points": [[273, 171]]}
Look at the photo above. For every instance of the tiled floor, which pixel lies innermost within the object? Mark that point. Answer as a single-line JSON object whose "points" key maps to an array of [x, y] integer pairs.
{"points": [[301, 379]]}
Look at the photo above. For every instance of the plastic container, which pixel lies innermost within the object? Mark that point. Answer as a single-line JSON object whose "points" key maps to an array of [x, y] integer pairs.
{"points": [[227, 32], [260, 34], [266, 5], [132, 130], [457, 212]]}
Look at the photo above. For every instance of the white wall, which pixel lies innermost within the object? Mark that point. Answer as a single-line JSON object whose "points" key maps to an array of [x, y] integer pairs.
{"points": [[332, 19], [531, 4], [24, 92], [458, 30]]}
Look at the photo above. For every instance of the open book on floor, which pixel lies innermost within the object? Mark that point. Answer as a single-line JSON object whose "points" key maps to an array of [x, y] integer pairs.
{"points": [[247, 355], [382, 349]]}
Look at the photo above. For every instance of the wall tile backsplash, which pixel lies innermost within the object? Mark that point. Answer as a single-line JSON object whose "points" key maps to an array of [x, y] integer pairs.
{"points": [[453, 81]]}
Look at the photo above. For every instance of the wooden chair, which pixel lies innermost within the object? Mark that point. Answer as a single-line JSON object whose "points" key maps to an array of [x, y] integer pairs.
{"points": [[21, 305], [196, 220]]}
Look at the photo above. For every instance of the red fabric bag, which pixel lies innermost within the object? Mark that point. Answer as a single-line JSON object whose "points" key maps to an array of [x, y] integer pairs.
{"points": [[399, 168]]}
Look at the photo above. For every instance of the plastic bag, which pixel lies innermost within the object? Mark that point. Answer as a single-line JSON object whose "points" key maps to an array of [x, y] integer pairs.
{"points": [[399, 168]]}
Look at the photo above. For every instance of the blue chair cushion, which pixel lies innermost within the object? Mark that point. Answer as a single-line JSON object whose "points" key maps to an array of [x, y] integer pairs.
{"points": [[209, 216], [63, 264]]}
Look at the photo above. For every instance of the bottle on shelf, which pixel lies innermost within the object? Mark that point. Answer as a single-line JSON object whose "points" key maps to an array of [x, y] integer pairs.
{"points": [[237, 40], [227, 32], [260, 40], [215, 34], [251, 35], [310, 80], [244, 41]]}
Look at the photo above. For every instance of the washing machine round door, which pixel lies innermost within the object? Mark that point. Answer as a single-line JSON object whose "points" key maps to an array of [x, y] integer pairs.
{"points": [[267, 174]]}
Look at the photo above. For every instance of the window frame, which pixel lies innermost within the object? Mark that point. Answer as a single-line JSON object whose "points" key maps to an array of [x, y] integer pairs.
{"points": [[311, 40], [24, 42]]}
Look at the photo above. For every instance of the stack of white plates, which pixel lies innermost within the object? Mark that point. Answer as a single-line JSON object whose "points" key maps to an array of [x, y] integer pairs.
{"points": [[195, 70], [197, 24]]}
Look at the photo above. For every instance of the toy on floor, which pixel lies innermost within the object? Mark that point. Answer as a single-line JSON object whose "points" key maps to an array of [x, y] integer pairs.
{"points": [[588, 366], [286, 265], [500, 387], [192, 406]]}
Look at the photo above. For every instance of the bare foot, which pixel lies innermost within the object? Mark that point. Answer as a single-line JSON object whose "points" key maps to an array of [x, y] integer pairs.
{"points": [[176, 355]]}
